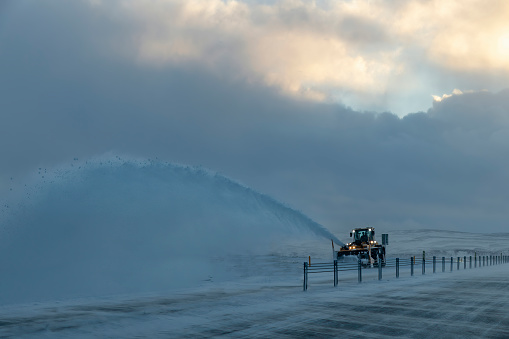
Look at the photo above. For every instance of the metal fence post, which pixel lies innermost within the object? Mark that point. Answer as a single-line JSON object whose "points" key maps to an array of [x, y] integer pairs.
{"points": [[412, 266], [451, 264], [470, 262], [397, 267], [423, 266], [305, 287], [379, 268], [335, 273], [360, 270], [434, 264], [465, 262], [443, 264], [458, 268]]}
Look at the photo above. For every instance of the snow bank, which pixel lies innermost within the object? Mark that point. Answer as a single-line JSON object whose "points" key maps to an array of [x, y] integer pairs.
{"points": [[120, 227]]}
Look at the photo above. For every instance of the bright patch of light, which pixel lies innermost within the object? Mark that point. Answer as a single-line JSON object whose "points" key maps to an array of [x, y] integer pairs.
{"points": [[503, 45]]}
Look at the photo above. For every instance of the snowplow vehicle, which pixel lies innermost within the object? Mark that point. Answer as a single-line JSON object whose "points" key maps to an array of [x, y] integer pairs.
{"points": [[364, 247]]}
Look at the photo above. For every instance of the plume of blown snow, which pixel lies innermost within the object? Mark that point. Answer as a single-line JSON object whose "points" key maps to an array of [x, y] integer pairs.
{"points": [[110, 227]]}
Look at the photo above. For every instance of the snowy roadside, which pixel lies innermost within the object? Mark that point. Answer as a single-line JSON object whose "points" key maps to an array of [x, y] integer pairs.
{"points": [[465, 303]]}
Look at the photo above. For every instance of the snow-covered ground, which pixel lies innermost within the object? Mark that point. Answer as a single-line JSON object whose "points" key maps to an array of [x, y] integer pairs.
{"points": [[465, 303], [269, 302]]}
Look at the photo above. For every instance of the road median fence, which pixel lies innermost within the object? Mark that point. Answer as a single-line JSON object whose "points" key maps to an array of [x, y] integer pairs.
{"points": [[435, 264]]}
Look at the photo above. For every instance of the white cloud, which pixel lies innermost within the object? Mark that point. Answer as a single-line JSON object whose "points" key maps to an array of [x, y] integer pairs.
{"points": [[335, 49]]}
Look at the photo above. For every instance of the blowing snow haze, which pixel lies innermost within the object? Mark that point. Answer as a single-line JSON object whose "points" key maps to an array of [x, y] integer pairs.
{"points": [[326, 106], [121, 227]]}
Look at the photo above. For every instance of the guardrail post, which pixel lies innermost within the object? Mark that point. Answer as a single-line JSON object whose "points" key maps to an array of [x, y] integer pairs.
{"points": [[360, 270], [412, 266], [443, 264], [458, 266], [397, 267], [305, 287], [451, 263], [379, 268], [335, 273], [470, 262], [423, 266], [465, 262], [434, 264]]}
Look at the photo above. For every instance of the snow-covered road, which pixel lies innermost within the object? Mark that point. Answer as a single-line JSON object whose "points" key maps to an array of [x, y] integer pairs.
{"points": [[465, 303]]}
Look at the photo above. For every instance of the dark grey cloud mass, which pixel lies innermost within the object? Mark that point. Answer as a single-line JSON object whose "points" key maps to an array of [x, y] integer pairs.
{"points": [[64, 94]]}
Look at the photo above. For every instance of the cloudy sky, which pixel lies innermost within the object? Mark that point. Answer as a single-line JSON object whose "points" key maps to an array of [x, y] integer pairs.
{"points": [[391, 113]]}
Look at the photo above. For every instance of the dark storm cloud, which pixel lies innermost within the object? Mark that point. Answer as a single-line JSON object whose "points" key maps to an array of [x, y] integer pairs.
{"points": [[63, 95]]}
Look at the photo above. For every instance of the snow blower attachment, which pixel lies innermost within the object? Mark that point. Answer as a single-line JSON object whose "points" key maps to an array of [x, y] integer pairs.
{"points": [[364, 247]]}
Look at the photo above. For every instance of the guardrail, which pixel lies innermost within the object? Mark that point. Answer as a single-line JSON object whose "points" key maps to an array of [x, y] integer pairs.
{"points": [[335, 267]]}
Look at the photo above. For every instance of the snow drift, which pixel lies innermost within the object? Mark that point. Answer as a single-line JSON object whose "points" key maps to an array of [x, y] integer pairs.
{"points": [[116, 227]]}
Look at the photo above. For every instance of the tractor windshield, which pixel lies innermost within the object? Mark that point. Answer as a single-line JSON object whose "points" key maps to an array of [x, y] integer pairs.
{"points": [[363, 235]]}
